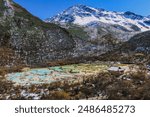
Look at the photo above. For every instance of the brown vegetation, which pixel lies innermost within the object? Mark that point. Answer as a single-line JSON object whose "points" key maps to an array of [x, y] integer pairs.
{"points": [[102, 86]]}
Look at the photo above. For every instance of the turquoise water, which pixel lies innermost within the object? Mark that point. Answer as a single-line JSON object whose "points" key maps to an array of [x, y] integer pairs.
{"points": [[53, 74], [59, 69], [40, 71], [36, 76]]}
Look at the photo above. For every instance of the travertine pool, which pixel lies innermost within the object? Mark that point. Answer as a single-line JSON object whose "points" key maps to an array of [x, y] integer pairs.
{"points": [[53, 74]]}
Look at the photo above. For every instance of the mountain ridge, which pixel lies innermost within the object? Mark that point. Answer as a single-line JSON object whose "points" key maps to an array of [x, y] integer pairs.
{"points": [[83, 15]]}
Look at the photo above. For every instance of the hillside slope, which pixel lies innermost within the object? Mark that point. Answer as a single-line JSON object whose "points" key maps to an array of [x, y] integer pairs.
{"points": [[136, 50], [32, 40]]}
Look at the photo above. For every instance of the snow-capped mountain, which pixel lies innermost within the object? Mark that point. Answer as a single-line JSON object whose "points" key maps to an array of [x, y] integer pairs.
{"points": [[83, 15]]}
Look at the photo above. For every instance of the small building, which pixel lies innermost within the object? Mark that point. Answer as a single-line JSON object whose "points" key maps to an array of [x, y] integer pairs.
{"points": [[116, 70]]}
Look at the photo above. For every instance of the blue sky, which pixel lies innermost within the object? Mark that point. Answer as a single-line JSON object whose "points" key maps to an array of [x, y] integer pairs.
{"points": [[48, 8]]}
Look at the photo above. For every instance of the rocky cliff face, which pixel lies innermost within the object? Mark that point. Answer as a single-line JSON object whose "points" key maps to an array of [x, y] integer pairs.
{"points": [[30, 39]]}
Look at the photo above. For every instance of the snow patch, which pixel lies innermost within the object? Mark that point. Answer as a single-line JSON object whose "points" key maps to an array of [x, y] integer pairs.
{"points": [[85, 20]]}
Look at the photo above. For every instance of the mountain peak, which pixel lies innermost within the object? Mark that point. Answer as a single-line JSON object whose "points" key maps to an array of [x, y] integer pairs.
{"points": [[84, 15], [80, 8], [85, 7]]}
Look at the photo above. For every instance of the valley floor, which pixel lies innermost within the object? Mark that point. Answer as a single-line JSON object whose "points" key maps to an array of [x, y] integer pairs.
{"points": [[58, 73], [95, 80]]}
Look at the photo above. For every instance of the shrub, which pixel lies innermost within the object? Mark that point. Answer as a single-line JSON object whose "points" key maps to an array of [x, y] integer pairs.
{"points": [[60, 95]]}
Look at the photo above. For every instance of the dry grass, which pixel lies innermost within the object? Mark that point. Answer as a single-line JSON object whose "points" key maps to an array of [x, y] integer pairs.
{"points": [[105, 84]]}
